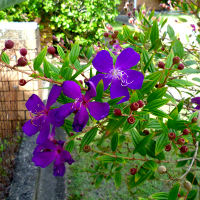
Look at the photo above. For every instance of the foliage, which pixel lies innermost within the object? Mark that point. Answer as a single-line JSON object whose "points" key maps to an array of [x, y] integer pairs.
{"points": [[77, 20], [6, 3]]}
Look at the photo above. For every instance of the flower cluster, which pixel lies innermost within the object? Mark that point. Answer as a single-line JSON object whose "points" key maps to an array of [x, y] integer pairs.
{"points": [[44, 119]]}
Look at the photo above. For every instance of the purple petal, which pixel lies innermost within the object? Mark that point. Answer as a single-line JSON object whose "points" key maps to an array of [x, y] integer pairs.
{"points": [[35, 104], [71, 89], [91, 92], [135, 79], [98, 77], [197, 107], [68, 158], [30, 128], [117, 90], [59, 170], [58, 115], [98, 110], [53, 95], [127, 59], [103, 62], [43, 159], [44, 133], [196, 100], [80, 120]]}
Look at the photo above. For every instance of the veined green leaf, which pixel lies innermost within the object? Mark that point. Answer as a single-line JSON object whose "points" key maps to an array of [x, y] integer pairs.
{"points": [[70, 146], [169, 60], [171, 32], [99, 89], [173, 194], [5, 58], [178, 48], [157, 103], [74, 53], [39, 59], [159, 93], [114, 142], [61, 52]]}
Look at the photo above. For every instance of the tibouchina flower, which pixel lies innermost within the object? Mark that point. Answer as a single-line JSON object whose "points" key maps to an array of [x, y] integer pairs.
{"points": [[120, 76], [40, 115], [196, 100], [52, 151], [98, 110], [193, 27]]}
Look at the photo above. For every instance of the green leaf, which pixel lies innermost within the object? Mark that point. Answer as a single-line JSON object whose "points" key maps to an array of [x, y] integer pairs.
{"points": [[136, 137], [126, 32], [148, 61], [7, 3], [173, 194], [108, 159], [159, 196], [190, 71], [181, 163], [118, 179], [99, 179], [89, 52], [61, 52], [150, 165], [5, 58], [171, 32], [47, 68], [169, 60], [88, 137], [114, 101], [192, 178], [180, 83], [177, 124], [66, 71], [178, 48], [39, 59], [161, 142], [100, 90], [160, 113], [192, 195], [154, 36], [74, 53], [70, 146], [150, 82], [64, 99], [67, 126], [159, 93], [157, 103], [114, 142]]}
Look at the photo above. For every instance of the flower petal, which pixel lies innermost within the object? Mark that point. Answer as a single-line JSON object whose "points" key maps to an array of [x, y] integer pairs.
{"points": [[103, 62], [30, 128], [98, 110], [35, 104], [117, 90], [135, 79], [80, 120], [197, 107], [68, 158], [91, 92], [59, 170], [71, 89], [196, 100], [98, 77], [44, 133], [58, 115], [43, 159], [127, 59], [53, 95]]}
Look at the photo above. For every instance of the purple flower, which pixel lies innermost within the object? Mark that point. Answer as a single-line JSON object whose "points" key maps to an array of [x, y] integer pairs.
{"points": [[98, 110], [196, 100], [193, 27], [120, 76], [40, 115], [52, 151]]}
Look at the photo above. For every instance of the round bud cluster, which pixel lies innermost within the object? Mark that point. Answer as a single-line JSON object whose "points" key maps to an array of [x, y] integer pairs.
{"points": [[168, 147], [131, 120], [23, 51], [133, 171], [183, 149], [86, 148], [176, 60], [22, 82], [162, 169], [51, 50], [181, 66], [146, 132], [9, 44], [134, 106], [161, 65], [194, 120], [117, 112], [112, 36], [141, 103], [172, 136], [22, 61], [181, 141], [187, 185], [186, 131]]}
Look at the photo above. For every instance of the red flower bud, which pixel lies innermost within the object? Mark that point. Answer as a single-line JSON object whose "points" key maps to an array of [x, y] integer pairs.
{"points": [[141, 103], [134, 106], [176, 60], [23, 52], [22, 82], [146, 132], [133, 171], [22, 61], [186, 131], [9, 44], [161, 65], [181, 66], [51, 50], [183, 149], [172, 136], [117, 112], [181, 141], [168, 147], [131, 120]]}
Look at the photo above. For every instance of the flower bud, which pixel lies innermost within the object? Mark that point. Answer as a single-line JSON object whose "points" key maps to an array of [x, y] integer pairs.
{"points": [[117, 112], [186, 131], [187, 185], [134, 106], [141, 103], [131, 120], [23, 52], [172, 136], [22, 82], [183, 149], [146, 132], [168, 147], [194, 120], [176, 60], [9, 44], [162, 169], [22, 62], [51, 50], [106, 34], [181, 141], [181, 66], [161, 65], [86, 148], [133, 171]]}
